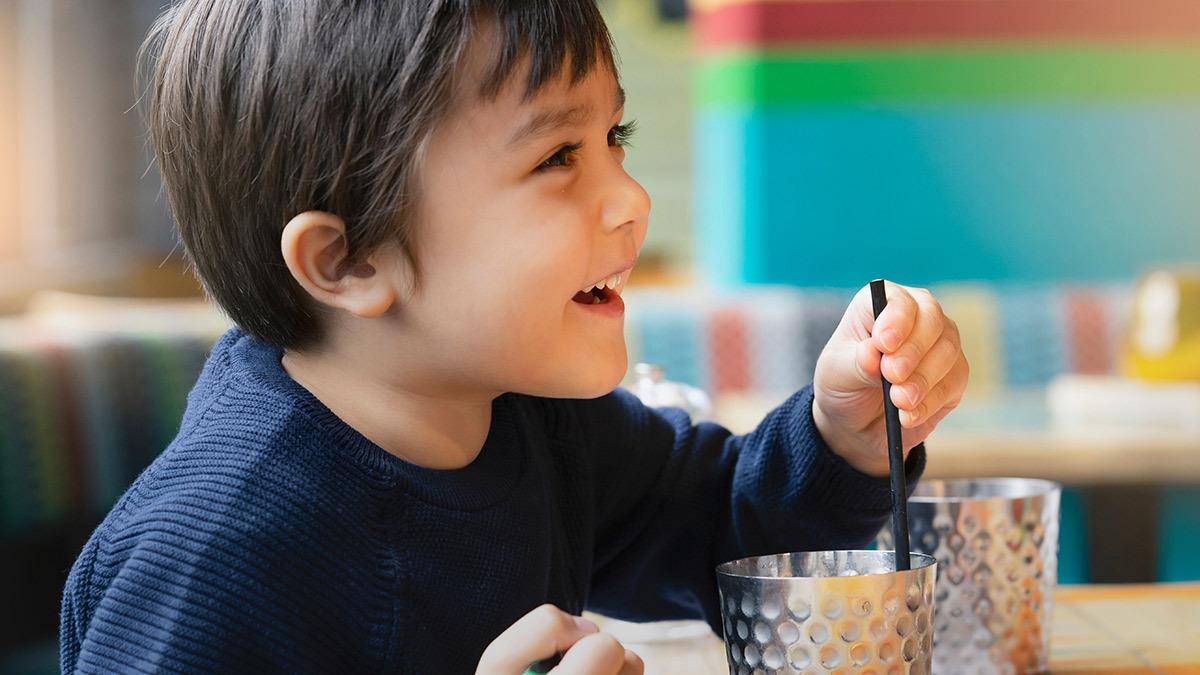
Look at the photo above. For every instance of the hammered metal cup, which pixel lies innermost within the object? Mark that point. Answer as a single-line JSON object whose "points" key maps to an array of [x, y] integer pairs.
{"points": [[996, 542], [827, 612]]}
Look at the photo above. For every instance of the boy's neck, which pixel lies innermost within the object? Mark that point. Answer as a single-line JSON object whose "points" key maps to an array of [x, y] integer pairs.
{"points": [[438, 431]]}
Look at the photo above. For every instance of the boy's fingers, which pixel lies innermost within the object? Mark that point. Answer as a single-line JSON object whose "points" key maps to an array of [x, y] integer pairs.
{"points": [[867, 359], [897, 319], [945, 393], [928, 326], [936, 363], [595, 654], [921, 432], [538, 635]]}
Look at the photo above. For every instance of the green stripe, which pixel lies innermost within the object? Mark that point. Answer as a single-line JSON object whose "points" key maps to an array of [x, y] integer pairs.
{"points": [[46, 442], [952, 74]]}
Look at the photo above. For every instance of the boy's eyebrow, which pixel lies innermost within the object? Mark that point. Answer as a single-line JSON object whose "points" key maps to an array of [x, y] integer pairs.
{"points": [[546, 121]]}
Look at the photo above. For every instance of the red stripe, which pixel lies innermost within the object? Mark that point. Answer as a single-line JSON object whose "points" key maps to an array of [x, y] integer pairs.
{"points": [[730, 365], [1091, 351], [778, 23]]}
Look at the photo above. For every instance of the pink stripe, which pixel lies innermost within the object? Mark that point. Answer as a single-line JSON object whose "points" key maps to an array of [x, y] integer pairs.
{"points": [[782, 23], [730, 365], [1091, 349]]}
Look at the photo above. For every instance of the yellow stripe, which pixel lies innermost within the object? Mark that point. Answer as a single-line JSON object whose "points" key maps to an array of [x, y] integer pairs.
{"points": [[974, 309]]}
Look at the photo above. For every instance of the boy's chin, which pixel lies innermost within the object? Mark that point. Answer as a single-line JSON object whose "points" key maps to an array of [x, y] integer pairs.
{"points": [[601, 381], [589, 380]]}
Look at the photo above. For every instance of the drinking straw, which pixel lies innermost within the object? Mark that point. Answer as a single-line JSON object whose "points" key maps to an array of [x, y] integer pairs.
{"points": [[891, 419]]}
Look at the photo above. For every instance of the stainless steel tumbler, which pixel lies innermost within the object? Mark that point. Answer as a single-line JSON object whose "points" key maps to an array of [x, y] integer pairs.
{"points": [[996, 543], [827, 612]]}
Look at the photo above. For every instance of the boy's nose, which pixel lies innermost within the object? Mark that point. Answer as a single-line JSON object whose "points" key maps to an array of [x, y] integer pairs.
{"points": [[627, 204]]}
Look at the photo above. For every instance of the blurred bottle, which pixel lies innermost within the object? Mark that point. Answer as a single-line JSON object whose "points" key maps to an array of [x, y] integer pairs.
{"points": [[654, 390], [1164, 332]]}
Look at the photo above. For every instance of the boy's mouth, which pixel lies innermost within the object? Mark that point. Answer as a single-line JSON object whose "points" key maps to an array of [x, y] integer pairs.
{"points": [[596, 296], [602, 291]]}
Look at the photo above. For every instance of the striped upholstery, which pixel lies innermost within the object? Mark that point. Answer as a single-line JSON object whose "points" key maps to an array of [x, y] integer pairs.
{"points": [[80, 418], [90, 391]]}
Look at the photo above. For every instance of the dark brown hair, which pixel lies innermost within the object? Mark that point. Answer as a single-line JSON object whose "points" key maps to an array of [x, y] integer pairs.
{"points": [[259, 110]]}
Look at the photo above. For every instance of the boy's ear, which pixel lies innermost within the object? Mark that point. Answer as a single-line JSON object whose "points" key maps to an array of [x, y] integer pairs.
{"points": [[314, 248]]}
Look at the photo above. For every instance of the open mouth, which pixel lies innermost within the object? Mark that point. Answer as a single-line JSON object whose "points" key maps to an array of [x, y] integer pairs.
{"points": [[596, 296], [601, 292]]}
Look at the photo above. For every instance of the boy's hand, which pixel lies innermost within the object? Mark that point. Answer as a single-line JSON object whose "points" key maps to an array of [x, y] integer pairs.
{"points": [[918, 349], [547, 631]]}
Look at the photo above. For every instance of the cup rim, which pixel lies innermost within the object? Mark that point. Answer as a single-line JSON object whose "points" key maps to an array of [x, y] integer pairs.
{"points": [[925, 560], [1035, 487]]}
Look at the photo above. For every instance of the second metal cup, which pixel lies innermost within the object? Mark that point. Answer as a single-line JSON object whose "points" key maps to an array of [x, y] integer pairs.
{"points": [[996, 541]]}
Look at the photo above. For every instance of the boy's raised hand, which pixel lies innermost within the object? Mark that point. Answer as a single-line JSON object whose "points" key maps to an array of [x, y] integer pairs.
{"points": [[916, 346], [547, 631]]}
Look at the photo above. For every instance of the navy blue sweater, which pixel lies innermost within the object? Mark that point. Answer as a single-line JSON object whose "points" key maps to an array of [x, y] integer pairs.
{"points": [[270, 536]]}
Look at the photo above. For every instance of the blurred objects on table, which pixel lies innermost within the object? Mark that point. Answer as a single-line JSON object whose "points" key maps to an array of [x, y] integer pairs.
{"points": [[1164, 331]]}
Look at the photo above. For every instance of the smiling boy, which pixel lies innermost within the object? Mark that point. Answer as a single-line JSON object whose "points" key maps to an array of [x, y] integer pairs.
{"points": [[408, 455]]}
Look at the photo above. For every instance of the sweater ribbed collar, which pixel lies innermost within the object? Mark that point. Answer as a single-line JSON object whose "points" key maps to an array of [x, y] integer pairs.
{"points": [[488, 479]]}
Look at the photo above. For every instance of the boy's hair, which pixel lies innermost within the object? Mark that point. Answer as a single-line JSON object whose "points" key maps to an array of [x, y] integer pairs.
{"points": [[262, 109]]}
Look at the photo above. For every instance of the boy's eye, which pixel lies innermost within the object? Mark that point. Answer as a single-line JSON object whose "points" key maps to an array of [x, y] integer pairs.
{"points": [[561, 157], [618, 136]]}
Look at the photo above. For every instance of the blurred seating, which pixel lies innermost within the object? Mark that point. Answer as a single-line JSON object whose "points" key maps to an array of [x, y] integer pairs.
{"points": [[92, 390]]}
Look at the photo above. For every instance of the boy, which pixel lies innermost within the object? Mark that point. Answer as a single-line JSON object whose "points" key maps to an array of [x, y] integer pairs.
{"points": [[409, 455]]}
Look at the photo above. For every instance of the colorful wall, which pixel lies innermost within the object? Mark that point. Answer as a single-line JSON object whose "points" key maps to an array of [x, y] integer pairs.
{"points": [[930, 140]]}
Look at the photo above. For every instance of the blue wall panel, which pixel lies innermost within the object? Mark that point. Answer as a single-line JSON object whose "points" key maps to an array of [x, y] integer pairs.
{"points": [[835, 196]]}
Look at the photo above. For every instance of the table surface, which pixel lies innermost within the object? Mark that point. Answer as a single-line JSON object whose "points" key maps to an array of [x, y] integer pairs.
{"points": [[1013, 436], [1111, 630], [1152, 628]]}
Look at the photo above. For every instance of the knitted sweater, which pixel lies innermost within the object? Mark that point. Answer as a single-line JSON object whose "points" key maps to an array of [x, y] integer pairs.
{"points": [[270, 536]]}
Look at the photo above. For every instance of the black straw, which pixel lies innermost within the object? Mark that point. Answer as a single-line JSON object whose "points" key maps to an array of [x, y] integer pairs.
{"points": [[891, 419]]}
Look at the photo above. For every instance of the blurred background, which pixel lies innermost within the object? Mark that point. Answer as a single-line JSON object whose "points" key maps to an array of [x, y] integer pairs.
{"points": [[1035, 162]]}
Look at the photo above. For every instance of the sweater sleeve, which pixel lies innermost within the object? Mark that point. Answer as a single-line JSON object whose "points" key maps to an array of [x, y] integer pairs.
{"points": [[202, 587], [167, 609], [675, 499]]}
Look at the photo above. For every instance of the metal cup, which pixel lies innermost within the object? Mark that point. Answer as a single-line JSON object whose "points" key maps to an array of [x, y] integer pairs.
{"points": [[827, 612], [996, 542]]}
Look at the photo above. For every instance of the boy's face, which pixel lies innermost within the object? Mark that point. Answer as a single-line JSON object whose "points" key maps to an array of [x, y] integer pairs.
{"points": [[524, 203]]}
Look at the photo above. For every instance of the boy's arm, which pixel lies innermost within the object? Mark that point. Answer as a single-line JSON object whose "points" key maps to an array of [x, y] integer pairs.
{"points": [[676, 499], [167, 610], [197, 592]]}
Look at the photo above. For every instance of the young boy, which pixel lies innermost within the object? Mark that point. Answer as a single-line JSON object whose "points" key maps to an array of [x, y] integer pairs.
{"points": [[409, 455]]}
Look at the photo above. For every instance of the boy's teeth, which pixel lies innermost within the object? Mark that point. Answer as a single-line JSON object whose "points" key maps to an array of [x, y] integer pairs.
{"points": [[612, 282]]}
